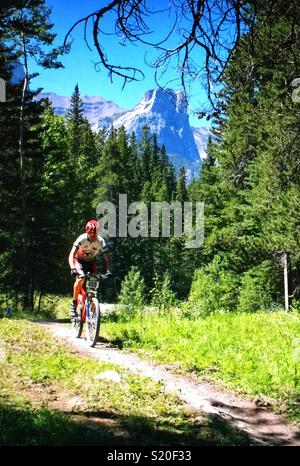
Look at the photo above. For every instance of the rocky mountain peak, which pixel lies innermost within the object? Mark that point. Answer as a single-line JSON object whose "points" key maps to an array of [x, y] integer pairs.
{"points": [[163, 111], [162, 100]]}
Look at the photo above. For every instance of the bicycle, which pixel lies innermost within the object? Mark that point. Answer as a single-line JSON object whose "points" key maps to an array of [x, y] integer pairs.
{"points": [[88, 309]]}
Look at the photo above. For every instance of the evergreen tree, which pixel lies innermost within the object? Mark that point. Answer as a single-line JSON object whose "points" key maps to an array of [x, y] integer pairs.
{"points": [[252, 189], [56, 206], [26, 29], [75, 119], [145, 150], [181, 191]]}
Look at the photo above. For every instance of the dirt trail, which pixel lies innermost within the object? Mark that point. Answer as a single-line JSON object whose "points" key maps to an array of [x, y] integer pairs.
{"points": [[261, 425]]}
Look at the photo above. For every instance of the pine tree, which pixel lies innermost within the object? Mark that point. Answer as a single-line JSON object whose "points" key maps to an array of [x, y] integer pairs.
{"points": [[55, 206], [75, 119], [252, 188], [181, 191], [145, 150], [26, 30]]}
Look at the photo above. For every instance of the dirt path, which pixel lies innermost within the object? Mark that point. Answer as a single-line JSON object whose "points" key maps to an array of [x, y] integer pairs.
{"points": [[261, 425]]}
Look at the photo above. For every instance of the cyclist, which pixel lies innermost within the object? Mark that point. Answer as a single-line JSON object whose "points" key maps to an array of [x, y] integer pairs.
{"points": [[82, 259]]}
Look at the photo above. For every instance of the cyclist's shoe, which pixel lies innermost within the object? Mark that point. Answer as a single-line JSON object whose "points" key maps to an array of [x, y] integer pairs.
{"points": [[73, 313]]}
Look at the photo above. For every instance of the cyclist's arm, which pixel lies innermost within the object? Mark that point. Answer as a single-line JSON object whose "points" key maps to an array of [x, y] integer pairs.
{"points": [[108, 261], [71, 257]]}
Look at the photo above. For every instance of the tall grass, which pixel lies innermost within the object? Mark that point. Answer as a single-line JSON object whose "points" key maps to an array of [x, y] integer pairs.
{"points": [[254, 353], [39, 376]]}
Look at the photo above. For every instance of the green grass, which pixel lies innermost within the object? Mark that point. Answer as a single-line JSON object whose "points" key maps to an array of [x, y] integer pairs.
{"points": [[39, 376], [255, 354]]}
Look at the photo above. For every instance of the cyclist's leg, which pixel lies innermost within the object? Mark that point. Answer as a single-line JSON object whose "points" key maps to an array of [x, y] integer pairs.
{"points": [[78, 284], [82, 268], [77, 287]]}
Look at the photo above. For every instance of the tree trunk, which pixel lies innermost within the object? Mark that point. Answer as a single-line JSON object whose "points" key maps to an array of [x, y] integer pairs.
{"points": [[26, 299]]}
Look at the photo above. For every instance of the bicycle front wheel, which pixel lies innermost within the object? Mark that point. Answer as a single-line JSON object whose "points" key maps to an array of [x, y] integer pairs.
{"points": [[93, 322]]}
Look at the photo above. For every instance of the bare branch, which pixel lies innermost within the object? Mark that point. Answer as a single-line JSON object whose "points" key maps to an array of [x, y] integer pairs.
{"points": [[128, 73], [75, 25], [209, 29], [85, 34]]}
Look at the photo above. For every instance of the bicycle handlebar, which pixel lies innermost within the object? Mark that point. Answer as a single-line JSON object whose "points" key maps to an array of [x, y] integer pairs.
{"points": [[98, 275]]}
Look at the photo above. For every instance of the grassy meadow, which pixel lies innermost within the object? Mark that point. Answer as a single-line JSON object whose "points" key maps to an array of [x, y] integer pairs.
{"points": [[51, 395]]}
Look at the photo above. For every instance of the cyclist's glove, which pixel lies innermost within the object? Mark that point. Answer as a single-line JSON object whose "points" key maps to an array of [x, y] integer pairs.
{"points": [[107, 275], [74, 273]]}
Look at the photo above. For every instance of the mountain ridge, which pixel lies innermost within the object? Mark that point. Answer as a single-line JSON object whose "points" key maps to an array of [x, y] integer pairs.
{"points": [[164, 111]]}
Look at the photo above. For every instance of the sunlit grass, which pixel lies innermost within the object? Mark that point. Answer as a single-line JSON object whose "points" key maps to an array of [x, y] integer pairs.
{"points": [[253, 353], [36, 369]]}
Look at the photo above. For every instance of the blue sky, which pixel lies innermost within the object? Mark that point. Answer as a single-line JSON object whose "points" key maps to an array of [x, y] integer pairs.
{"points": [[79, 67]]}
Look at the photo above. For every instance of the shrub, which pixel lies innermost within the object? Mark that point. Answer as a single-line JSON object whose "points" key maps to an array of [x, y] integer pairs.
{"points": [[214, 288], [261, 288], [132, 294], [162, 295]]}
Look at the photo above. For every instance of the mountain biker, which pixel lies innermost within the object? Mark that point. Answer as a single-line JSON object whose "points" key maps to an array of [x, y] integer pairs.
{"points": [[82, 259]]}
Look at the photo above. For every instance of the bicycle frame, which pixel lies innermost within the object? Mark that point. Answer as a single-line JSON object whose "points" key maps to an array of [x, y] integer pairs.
{"points": [[82, 297]]}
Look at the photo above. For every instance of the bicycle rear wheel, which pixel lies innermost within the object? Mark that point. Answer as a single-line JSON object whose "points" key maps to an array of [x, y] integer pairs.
{"points": [[77, 323], [93, 322]]}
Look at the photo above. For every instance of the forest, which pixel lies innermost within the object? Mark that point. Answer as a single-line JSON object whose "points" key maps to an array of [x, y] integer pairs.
{"points": [[55, 171]]}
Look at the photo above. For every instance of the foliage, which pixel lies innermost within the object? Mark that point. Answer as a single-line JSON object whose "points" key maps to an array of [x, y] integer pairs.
{"points": [[214, 288], [133, 294], [26, 33], [162, 295], [260, 288], [249, 181]]}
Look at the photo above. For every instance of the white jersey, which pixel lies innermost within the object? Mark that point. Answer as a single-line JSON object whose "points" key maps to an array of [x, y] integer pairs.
{"points": [[88, 250]]}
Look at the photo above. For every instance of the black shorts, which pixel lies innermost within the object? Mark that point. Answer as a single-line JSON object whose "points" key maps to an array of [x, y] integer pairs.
{"points": [[86, 266]]}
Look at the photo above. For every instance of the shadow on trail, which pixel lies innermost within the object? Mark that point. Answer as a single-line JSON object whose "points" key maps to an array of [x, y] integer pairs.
{"points": [[51, 320], [117, 343], [42, 426], [62, 321]]}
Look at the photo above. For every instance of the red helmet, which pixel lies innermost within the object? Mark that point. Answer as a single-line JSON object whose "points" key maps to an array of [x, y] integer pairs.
{"points": [[91, 227]]}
